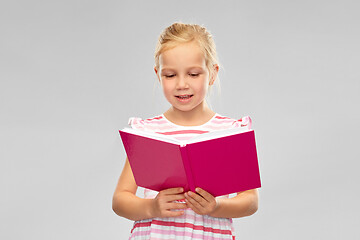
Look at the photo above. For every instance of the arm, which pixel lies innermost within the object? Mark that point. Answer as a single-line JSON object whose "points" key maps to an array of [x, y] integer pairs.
{"points": [[126, 204], [242, 205]]}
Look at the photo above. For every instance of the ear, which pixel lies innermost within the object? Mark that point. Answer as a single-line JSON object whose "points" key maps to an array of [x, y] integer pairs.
{"points": [[156, 72], [214, 74]]}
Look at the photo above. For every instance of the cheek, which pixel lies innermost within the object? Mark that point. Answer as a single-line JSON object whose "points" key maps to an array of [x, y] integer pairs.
{"points": [[203, 87], [166, 88]]}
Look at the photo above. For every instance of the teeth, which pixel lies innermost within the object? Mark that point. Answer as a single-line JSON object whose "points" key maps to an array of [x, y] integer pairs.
{"points": [[186, 96]]}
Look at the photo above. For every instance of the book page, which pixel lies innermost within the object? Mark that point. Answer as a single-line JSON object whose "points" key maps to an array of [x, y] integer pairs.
{"points": [[156, 136], [199, 138]]}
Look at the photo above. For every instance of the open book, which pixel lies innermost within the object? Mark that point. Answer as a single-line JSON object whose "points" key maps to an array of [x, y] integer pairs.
{"points": [[220, 162]]}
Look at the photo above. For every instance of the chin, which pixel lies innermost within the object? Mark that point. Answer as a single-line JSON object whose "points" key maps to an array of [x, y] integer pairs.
{"points": [[186, 108], [182, 109]]}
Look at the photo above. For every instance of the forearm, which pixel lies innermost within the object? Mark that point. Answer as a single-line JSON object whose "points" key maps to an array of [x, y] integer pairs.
{"points": [[130, 206], [244, 204]]}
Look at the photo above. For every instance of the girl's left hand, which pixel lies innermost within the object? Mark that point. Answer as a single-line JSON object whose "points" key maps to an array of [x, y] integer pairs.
{"points": [[203, 204]]}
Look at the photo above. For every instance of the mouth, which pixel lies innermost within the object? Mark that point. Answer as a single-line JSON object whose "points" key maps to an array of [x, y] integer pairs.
{"points": [[184, 97]]}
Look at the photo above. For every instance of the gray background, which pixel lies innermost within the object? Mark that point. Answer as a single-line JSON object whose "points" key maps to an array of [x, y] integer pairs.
{"points": [[73, 72]]}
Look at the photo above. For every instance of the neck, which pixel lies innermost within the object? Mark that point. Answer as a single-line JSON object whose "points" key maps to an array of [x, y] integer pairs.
{"points": [[197, 116]]}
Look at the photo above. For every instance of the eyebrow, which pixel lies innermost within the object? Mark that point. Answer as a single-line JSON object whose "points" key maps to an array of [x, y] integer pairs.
{"points": [[171, 69]]}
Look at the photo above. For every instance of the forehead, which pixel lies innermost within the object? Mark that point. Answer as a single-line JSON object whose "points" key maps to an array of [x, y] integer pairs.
{"points": [[187, 54]]}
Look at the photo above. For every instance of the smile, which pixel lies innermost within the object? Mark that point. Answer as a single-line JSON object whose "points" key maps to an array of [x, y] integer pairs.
{"points": [[184, 98]]}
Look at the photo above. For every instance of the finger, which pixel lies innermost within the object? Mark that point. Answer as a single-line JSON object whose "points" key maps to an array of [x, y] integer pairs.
{"points": [[173, 213], [194, 201], [177, 206], [170, 191], [175, 197], [200, 200], [195, 206], [206, 195]]}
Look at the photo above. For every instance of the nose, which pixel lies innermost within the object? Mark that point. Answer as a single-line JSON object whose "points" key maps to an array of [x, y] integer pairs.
{"points": [[181, 83]]}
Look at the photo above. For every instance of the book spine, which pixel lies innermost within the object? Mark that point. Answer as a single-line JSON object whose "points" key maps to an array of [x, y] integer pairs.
{"points": [[187, 167]]}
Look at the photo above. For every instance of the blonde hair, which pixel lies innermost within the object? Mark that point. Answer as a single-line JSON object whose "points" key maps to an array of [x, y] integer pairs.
{"points": [[179, 33]]}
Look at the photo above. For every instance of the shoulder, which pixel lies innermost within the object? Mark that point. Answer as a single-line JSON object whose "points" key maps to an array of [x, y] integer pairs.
{"points": [[229, 122], [148, 124]]}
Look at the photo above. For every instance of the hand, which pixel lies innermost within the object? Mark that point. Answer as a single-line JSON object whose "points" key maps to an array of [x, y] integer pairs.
{"points": [[163, 203], [202, 203]]}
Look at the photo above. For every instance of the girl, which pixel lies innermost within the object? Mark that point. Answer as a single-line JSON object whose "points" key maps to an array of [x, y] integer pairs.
{"points": [[186, 66]]}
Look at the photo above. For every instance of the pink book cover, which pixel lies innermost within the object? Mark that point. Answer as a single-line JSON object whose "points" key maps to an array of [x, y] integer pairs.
{"points": [[221, 165]]}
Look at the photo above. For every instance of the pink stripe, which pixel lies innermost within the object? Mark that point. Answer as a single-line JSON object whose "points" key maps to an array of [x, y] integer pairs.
{"points": [[182, 132], [219, 117], [169, 127], [201, 238], [174, 233], [154, 118], [192, 226], [193, 235], [140, 232], [245, 121], [141, 225], [181, 225]]}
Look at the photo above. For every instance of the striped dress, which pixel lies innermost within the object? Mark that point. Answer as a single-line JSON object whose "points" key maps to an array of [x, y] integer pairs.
{"points": [[190, 225]]}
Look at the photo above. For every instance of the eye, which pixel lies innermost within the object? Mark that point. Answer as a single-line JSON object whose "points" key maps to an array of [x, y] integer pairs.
{"points": [[170, 75], [194, 74]]}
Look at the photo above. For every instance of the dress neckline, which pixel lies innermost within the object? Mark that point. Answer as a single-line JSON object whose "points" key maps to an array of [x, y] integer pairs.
{"points": [[197, 126]]}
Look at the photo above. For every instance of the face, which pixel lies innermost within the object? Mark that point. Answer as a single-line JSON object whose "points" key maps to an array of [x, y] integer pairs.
{"points": [[184, 76]]}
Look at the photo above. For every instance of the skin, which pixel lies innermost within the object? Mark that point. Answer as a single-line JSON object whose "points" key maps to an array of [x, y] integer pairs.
{"points": [[182, 70]]}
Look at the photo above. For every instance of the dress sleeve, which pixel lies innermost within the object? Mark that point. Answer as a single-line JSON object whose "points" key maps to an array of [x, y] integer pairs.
{"points": [[243, 122], [136, 123]]}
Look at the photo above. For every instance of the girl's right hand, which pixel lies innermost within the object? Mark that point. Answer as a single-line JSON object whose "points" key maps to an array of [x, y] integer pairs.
{"points": [[163, 203]]}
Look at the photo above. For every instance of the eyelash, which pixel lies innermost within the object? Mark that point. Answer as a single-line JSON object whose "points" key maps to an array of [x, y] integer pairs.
{"points": [[191, 74], [194, 74]]}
